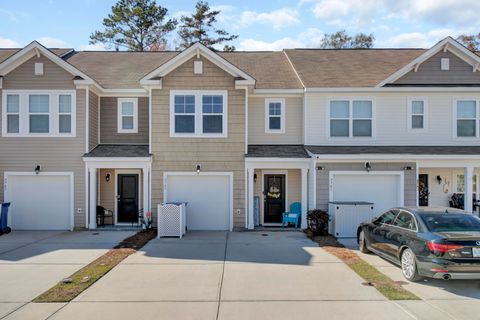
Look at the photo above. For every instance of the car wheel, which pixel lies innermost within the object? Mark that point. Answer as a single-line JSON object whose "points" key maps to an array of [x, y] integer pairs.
{"points": [[362, 243], [409, 266]]}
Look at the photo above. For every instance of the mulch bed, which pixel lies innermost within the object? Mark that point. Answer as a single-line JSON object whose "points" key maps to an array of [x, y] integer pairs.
{"points": [[373, 277], [71, 287]]}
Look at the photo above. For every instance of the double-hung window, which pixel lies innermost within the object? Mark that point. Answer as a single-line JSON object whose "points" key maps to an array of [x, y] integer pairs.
{"points": [[64, 113], [467, 118], [417, 114], [127, 118], [13, 113], [198, 113], [351, 118], [38, 113], [274, 115]]}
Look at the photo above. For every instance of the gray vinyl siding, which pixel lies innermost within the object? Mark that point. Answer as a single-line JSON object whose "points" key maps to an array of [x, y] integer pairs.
{"points": [[410, 181], [214, 154], [92, 120], [429, 72], [106, 191], [108, 123], [53, 154], [293, 122]]}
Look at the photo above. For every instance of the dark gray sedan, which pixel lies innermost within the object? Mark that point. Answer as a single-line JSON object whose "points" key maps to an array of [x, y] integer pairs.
{"points": [[440, 243]]}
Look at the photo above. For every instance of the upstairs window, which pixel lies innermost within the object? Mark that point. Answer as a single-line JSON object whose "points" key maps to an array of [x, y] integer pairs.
{"points": [[212, 109], [198, 114], [351, 118], [127, 115], [467, 118], [64, 113], [13, 113], [38, 113], [275, 116], [417, 114]]}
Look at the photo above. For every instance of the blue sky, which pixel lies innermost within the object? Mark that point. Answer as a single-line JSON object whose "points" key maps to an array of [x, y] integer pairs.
{"points": [[261, 25]]}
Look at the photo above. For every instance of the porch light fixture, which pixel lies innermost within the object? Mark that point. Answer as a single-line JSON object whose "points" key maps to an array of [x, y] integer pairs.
{"points": [[407, 168], [199, 167], [368, 167], [37, 168], [255, 178], [107, 177], [439, 179]]}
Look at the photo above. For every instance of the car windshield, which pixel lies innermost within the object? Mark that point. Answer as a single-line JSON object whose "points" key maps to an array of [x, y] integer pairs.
{"points": [[450, 222]]}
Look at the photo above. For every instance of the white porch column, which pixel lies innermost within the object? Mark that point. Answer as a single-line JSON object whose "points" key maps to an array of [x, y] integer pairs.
{"points": [[146, 190], [92, 173], [468, 189], [304, 191], [250, 186]]}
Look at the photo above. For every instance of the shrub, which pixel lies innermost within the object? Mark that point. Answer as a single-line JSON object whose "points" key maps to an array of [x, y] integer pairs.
{"points": [[317, 222]]}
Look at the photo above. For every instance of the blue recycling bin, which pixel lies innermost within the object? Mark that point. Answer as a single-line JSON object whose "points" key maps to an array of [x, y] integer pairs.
{"points": [[4, 228]]}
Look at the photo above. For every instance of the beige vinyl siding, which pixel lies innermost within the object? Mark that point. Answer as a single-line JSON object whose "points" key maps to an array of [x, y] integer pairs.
{"points": [[23, 78], [293, 187], [92, 120], [390, 119], [214, 154], [108, 123], [429, 72], [410, 180], [54, 154], [106, 194], [293, 122]]}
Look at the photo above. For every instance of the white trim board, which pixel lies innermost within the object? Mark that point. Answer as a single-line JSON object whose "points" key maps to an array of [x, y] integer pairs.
{"points": [[70, 174], [167, 174]]}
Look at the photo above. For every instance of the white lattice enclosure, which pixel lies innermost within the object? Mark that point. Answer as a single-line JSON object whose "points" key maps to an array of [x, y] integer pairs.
{"points": [[171, 220]]}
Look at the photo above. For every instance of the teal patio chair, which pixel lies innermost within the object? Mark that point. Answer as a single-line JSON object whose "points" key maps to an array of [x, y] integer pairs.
{"points": [[293, 216]]}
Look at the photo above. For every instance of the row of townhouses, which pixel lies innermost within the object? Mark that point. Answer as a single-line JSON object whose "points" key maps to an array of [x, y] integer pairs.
{"points": [[239, 136]]}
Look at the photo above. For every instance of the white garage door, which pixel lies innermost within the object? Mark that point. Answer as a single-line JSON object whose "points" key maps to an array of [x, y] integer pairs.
{"points": [[208, 200], [384, 190], [40, 202]]}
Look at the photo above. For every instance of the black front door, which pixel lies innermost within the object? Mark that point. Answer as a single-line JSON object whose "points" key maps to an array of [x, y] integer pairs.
{"points": [[423, 190], [127, 198], [274, 194]]}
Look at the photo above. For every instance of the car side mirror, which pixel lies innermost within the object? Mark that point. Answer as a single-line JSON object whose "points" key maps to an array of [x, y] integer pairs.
{"points": [[376, 221]]}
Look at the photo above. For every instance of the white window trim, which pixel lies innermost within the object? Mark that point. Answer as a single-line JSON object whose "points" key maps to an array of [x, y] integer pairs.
{"points": [[477, 119], [410, 114], [350, 122], [24, 113], [134, 101], [475, 176], [198, 114], [12, 113], [282, 116]]}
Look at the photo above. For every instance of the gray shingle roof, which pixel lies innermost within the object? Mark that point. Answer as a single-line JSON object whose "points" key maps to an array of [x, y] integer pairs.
{"points": [[277, 151], [118, 150], [425, 150]]}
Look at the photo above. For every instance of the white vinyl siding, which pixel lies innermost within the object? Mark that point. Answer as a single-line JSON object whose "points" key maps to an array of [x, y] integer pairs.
{"points": [[390, 125], [467, 118], [127, 115], [274, 115], [198, 114], [38, 113], [350, 118], [417, 114]]}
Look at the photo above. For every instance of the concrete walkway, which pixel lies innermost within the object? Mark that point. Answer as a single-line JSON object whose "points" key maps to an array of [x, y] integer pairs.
{"points": [[251, 275], [31, 262]]}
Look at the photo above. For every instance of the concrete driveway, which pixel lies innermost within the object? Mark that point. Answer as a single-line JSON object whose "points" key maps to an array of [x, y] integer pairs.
{"points": [[459, 299], [250, 275], [33, 261]]}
